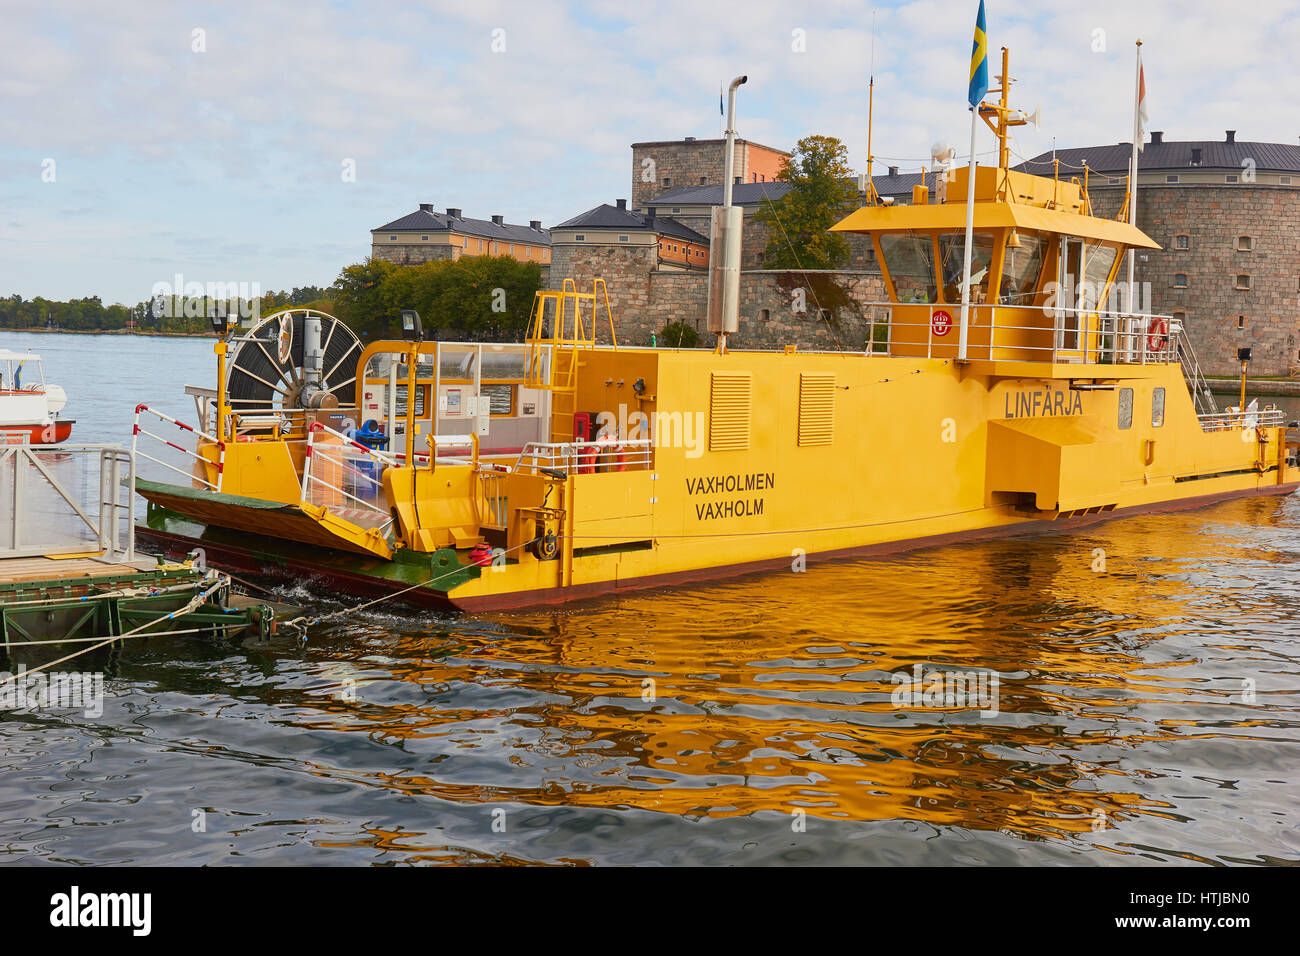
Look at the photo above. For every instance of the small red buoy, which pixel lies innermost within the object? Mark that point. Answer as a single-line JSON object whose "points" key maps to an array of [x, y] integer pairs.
{"points": [[481, 555]]}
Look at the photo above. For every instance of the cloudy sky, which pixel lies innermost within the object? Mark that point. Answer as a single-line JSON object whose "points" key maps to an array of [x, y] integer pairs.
{"points": [[214, 140]]}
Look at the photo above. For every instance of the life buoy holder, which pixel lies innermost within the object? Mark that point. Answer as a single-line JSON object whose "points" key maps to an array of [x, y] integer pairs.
{"points": [[1158, 335]]}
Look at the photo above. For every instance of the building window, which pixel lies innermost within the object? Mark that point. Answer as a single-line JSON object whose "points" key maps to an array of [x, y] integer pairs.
{"points": [[1126, 408], [1241, 321], [676, 209], [512, 248], [1243, 282], [392, 238], [1230, 178], [1171, 179], [1182, 242], [1245, 243], [824, 314], [701, 180], [622, 238], [1286, 180], [465, 243], [580, 238], [1180, 280], [668, 181], [1157, 407], [480, 245], [760, 258], [1180, 318], [764, 315], [424, 238]]}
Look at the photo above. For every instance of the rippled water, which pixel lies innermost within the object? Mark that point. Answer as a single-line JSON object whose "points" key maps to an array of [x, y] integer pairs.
{"points": [[1147, 713]]}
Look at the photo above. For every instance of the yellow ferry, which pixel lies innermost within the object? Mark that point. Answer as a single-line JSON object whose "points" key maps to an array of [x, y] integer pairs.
{"points": [[567, 466]]}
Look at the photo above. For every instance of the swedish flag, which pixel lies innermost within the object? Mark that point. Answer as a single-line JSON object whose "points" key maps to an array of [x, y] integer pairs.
{"points": [[979, 62]]}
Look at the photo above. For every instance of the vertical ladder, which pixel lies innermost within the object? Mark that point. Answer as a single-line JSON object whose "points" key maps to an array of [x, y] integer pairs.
{"points": [[564, 391]]}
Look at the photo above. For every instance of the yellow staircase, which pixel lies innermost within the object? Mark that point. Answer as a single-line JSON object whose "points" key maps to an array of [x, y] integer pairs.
{"points": [[558, 325]]}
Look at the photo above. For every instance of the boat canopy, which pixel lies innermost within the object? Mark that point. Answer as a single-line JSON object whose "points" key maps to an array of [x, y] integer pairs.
{"points": [[951, 216]]}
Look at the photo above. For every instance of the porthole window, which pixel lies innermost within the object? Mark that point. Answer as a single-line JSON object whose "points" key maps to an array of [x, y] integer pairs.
{"points": [[1157, 407]]}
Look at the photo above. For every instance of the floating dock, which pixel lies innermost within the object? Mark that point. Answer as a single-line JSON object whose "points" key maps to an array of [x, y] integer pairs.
{"points": [[53, 595]]}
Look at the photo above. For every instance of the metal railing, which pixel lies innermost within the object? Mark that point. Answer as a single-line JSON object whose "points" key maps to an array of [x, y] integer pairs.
{"points": [[203, 463], [345, 477], [1248, 418], [1137, 338], [586, 458], [51, 498]]}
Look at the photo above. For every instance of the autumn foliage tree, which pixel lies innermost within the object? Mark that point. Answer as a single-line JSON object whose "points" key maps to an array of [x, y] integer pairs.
{"points": [[821, 193]]}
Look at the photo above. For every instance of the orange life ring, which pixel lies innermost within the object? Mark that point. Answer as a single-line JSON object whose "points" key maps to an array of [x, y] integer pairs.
{"points": [[1158, 335]]}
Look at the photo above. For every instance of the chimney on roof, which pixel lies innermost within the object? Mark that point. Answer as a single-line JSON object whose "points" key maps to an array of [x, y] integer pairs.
{"points": [[1157, 136], [453, 212], [621, 203], [690, 139], [499, 220], [426, 207], [1232, 136], [1196, 156], [893, 170], [535, 225], [650, 217]]}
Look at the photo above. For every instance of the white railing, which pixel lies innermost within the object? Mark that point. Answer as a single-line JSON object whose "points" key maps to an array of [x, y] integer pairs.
{"points": [[1135, 338], [588, 457], [345, 477], [53, 499], [1250, 418], [202, 463]]}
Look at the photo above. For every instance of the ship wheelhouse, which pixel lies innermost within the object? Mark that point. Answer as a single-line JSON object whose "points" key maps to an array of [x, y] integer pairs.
{"points": [[1047, 281]]}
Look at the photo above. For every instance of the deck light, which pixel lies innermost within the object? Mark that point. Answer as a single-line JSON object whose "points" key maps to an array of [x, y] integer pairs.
{"points": [[412, 330]]}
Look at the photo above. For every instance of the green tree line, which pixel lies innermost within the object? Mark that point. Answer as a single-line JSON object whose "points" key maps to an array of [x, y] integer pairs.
{"points": [[476, 298]]}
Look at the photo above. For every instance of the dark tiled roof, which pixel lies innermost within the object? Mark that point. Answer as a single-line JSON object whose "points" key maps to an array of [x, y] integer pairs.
{"points": [[606, 216], [426, 221], [752, 194], [1215, 154]]}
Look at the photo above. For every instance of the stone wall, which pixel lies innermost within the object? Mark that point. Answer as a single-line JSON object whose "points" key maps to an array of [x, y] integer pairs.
{"points": [[683, 164], [1213, 217], [413, 253], [683, 297]]}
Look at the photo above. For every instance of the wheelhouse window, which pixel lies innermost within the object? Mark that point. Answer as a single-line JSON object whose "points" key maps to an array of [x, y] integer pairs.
{"points": [[952, 257], [1022, 265], [1097, 263], [1125, 408], [910, 262], [1157, 407]]}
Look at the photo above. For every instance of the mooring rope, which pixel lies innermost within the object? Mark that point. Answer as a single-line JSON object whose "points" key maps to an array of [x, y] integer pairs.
{"points": [[304, 621], [193, 603]]}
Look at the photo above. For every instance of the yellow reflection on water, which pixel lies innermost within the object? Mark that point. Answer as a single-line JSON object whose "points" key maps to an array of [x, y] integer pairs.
{"points": [[775, 693]]}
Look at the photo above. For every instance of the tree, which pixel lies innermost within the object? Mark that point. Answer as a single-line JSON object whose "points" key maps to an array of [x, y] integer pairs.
{"points": [[821, 193]]}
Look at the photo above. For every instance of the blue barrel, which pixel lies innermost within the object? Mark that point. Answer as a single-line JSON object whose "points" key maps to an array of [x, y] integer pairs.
{"points": [[365, 484]]}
